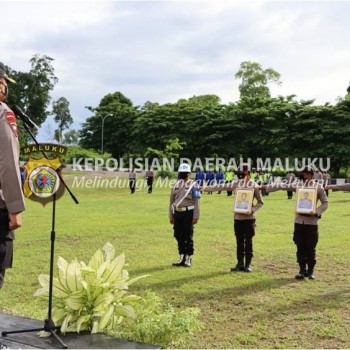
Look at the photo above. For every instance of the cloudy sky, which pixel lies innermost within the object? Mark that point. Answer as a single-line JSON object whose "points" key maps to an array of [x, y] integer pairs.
{"points": [[161, 51]]}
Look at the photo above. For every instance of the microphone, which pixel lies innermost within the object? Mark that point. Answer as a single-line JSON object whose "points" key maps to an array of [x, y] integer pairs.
{"points": [[25, 119]]}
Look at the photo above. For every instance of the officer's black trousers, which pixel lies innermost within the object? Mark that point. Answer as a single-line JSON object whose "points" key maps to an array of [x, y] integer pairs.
{"points": [[132, 185], [150, 184], [6, 245], [2, 277], [6, 256], [183, 231], [244, 231], [306, 238]]}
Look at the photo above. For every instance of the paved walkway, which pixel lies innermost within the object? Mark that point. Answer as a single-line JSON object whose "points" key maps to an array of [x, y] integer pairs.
{"points": [[31, 340]]}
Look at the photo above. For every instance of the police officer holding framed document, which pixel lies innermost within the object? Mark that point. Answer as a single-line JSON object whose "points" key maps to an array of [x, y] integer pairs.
{"points": [[305, 235], [246, 191]]}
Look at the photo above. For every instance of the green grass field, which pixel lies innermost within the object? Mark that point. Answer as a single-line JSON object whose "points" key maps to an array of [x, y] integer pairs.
{"points": [[265, 309]]}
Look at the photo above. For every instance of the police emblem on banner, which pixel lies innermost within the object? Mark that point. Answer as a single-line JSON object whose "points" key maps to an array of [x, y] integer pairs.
{"points": [[42, 179]]}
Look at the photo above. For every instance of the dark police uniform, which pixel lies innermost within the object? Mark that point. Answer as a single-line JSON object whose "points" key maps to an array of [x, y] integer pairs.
{"points": [[149, 177]]}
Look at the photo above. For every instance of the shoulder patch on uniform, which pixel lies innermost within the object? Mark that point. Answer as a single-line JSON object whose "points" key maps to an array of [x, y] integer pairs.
{"points": [[11, 119]]}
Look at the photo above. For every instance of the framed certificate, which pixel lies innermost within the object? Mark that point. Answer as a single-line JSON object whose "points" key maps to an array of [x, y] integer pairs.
{"points": [[306, 200], [243, 201]]}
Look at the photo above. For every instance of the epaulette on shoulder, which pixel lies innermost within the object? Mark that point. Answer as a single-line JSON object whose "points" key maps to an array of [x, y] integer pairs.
{"points": [[11, 119]]}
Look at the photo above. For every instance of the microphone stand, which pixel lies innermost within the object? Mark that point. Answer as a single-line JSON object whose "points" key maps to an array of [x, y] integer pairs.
{"points": [[49, 325]]}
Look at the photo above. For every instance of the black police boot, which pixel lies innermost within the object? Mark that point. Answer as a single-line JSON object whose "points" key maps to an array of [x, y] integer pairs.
{"points": [[310, 270], [181, 261], [188, 261], [240, 264], [2, 277], [247, 267], [310, 275], [302, 272]]}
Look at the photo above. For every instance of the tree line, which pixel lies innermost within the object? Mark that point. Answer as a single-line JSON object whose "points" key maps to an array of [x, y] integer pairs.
{"points": [[256, 126], [32, 92]]}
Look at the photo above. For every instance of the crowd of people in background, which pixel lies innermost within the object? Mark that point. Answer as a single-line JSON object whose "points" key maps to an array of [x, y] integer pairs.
{"points": [[260, 176], [212, 177], [218, 177]]}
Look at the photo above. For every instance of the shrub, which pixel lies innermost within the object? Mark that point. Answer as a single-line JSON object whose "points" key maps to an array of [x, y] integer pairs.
{"points": [[91, 296], [158, 323]]}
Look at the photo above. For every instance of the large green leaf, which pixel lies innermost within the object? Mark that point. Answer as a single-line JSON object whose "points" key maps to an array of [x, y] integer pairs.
{"points": [[94, 327], [106, 317], [133, 280], [100, 271], [106, 285], [87, 288], [88, 274], [72, 324], [95, 282], [119, 285], [119, 294], [76, 302], [65, 323], [124, 275], [125, 311], [41, 292], [58, 290], [74, 277], [87, 270], [114, 269], [58, 315], [109, 251], [44, 280], [82, 322], [102, 301], [62, 271], [97, 292], [96, 260], [115, 321]]}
